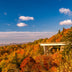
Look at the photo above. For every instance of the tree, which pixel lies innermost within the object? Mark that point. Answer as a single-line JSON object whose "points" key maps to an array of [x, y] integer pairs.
{"points": [[0, 69], [15, 60], [68, 37], [71, 27], [68, 40], [58, 31], [63, 29]]}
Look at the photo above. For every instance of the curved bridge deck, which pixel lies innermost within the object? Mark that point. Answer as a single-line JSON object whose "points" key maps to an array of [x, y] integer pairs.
{"points": [[45, 45]]}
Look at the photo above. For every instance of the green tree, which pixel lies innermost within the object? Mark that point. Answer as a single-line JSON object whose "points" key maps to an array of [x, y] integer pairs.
{"points": [[58, 31], [63, 29], [15, 60]]}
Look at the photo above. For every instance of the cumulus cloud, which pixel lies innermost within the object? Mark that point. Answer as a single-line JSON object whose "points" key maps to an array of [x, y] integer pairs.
{"points": [[19, 37], [66, 22], [21, 24], [66, 11], [25, 18]]}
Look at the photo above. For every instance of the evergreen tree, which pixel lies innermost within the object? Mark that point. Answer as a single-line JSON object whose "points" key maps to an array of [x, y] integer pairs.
{"points": [[63, 29], [15, 60], [71, 27], [62, 33], [58, 31]]}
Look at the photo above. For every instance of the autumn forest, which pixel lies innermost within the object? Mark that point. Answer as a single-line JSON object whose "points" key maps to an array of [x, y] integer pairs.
{"points": [[30, 57]]}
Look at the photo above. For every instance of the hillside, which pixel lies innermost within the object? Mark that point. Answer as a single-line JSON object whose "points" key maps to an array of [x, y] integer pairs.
{"points": [[29, 57]]}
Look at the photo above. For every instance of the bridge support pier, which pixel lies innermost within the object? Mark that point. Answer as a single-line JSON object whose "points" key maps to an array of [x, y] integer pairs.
{"points": [[44, 50]]}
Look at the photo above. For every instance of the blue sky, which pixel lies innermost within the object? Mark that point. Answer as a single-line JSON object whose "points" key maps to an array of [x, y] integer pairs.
{"points": [[34, 16]]}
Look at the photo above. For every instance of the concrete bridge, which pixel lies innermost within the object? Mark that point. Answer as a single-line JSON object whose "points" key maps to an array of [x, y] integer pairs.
{"points": [[49, 46]]}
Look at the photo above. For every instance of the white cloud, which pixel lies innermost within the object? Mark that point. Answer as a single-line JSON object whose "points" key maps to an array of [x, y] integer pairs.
{"points": [[66, 22], [5, 13], [20, 37], [21, 24], [25, 18], [66, 11], [8, 24]]}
